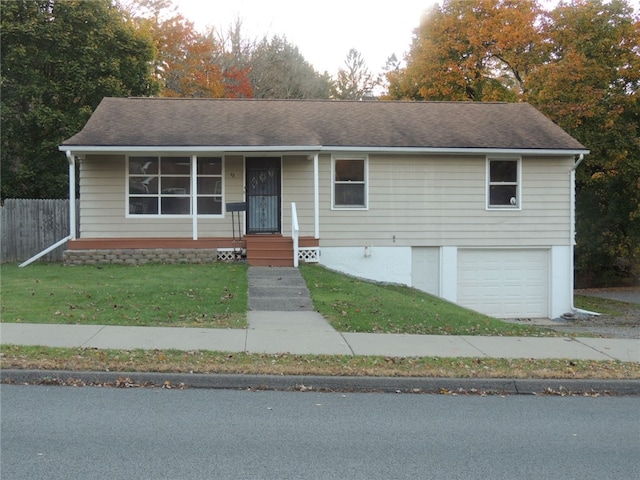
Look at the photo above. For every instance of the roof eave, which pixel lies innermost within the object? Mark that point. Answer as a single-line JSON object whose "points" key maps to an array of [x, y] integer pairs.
{"points": [[458, 150], [306, 149]]}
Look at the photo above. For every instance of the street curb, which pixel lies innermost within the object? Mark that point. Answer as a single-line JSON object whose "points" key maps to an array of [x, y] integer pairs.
{"points": [[501, 386]]}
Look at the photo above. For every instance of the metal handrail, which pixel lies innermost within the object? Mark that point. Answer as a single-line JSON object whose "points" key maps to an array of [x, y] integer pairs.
{"points": [[295, 230]]}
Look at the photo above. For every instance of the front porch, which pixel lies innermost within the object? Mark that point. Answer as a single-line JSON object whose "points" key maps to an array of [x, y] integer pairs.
{"points": [[257, 250]]}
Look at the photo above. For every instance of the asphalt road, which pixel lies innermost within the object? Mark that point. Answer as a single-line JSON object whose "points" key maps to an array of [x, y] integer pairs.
{"points": [[100, 433]]}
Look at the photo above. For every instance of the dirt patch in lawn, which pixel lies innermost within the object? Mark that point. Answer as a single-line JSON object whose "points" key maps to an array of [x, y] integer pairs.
{"points": [[619, 313], [626, 325]]}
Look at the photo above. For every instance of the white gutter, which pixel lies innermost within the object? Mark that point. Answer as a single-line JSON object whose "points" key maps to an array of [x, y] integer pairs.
{"points": [[572, 234], [455, 151], [72, 213], [313, 149], [309, 149], [45, 251], [578, 162], [572, 173]]}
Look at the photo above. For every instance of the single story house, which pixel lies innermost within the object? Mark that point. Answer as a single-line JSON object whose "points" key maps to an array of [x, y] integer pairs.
{"points": [[473, 202]]}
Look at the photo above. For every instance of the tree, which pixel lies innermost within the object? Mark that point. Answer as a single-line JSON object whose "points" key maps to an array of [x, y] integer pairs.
{"points": [[579, 64], [184, 58], [278, 70], [59, 59], [390, 78], [479, 50], [589, 86], [192, 73], [223, 63], [355, 81], [234, 59], [265, 68]]}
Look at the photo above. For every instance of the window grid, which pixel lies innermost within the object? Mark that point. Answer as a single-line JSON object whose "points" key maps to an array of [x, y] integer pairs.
{"points": [[503, 183], [209, 202], [349, 183], [161, 186]]}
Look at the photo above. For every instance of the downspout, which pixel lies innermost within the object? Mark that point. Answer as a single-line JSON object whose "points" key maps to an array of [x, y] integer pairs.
{"points": [[572, 238], [72, 213], [572, 233]]}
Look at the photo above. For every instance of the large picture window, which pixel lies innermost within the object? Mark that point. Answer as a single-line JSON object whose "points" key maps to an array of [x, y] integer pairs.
{"points": [[349, 183], [503, 177], [162, 185]]}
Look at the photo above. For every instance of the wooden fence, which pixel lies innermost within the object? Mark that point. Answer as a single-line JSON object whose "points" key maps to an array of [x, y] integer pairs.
{"points": [[29, 226]]}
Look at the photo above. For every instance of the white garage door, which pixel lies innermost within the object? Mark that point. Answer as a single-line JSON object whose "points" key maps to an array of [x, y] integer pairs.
{"points": [[425, 269], [504, 283]]}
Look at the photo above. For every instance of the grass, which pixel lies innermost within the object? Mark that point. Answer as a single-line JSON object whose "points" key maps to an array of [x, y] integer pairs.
{"points": [[355, 305], [604, 306], [146, 295], [215, 295], [83, 359]]}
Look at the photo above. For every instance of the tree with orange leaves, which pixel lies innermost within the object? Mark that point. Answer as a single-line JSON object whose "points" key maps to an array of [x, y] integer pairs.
{"points": [[589, 85], [184, 63], [578, 63], [464, 50]]}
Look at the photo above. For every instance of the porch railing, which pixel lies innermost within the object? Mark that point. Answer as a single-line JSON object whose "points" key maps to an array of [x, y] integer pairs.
{"points": [[295, 231]]}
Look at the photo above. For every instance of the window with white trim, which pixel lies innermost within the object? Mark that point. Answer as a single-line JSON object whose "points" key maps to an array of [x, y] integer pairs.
{"points": [[209, 186], [349, 182], [503, 183], [162, 185]]}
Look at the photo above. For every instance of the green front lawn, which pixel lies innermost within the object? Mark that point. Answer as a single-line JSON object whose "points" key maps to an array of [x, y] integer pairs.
{"points": [[159, 295], [355, 305], [215, 295]]}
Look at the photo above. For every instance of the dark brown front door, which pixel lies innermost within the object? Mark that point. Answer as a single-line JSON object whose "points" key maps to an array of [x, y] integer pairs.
{"points": [[263, 195]]}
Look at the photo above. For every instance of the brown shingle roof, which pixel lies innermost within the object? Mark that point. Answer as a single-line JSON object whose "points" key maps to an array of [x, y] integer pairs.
{"points": [[164, 122]]}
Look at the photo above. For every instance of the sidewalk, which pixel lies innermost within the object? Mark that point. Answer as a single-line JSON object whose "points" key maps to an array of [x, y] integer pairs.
{"points": [[282, 320], [308, 333]]}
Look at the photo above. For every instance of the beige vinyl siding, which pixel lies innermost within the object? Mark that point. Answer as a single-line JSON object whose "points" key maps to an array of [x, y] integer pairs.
{"points": [[102, 195], [440, 201], [103, 204], [297, 186], [413, 201]]}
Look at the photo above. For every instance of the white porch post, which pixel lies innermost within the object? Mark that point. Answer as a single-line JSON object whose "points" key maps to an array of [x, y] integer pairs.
{"points": [[194, 196], [316, 198], [72, 195]]}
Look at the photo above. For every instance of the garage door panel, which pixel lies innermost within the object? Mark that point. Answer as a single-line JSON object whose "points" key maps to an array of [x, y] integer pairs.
{"points": [[504, 283], [425, 269]]}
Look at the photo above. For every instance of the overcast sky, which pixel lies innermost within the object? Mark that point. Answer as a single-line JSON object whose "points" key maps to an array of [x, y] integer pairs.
{"points": [[323, 30]]}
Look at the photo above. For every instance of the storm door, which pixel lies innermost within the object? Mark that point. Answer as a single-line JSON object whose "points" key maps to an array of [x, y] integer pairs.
{"points": [[263, 195]]}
